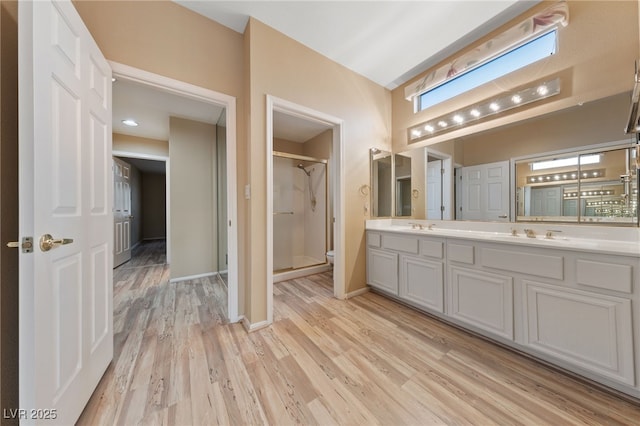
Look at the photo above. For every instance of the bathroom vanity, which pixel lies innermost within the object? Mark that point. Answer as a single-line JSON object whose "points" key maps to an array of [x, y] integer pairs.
{"points": [[568, 295]]}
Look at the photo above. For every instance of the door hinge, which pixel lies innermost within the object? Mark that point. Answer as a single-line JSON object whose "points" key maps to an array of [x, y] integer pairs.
{"points": [[442, 171], [441, 208], [26, 245]]}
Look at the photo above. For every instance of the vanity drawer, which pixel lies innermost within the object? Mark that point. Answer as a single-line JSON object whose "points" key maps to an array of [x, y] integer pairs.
{"points": [[524, 262], [373, 240], [432, 248], [460, 253], [397, 243], [609, 276]]}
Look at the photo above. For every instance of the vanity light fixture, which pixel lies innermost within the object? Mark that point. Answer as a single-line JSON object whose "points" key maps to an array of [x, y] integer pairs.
{"points": [[587, 174], [484, 109], [130, 122]]}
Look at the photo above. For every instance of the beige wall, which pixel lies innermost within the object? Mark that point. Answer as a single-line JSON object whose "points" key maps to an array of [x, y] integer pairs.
{"points": [[192, 149], [319, 146], [8, 206], [595, 58], [153, 206], [593, 123], [138, 145], [162, 37], [283, 145], [281, 67]]}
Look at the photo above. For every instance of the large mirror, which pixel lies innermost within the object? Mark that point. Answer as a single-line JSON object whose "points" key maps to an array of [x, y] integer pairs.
{"points": [[402, 181], [381, 182], [501, 159], [600, 186]]}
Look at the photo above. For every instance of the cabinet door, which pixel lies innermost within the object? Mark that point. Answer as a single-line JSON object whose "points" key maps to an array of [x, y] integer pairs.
{"points": [[421, 282], [482, 300], [590, 330], [382, 270]]}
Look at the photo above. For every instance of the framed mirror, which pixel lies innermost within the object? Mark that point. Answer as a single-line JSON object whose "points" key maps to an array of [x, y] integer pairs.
{"points": [[402, 185], [381, 182]]}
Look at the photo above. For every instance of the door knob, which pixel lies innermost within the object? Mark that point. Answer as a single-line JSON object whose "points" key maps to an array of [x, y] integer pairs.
{"points": [[47, 242]]}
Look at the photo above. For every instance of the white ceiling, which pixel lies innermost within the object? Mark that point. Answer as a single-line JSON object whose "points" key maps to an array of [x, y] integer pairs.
{"points": [[389, 42], [151, 108], [295, 129]]}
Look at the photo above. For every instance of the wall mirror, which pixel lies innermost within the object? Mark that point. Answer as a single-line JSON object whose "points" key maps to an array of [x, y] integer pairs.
{"points": [[580, 186], [504, 154], [402, 184], [381, 182]]}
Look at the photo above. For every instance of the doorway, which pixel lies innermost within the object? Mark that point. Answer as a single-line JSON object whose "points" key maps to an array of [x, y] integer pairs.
{"points": [[207, 97], [282, 109], [146, 199]]}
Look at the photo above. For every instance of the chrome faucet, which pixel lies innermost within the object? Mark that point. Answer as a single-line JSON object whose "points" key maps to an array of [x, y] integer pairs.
{"points": [[430, 227], [530, 233], [416, 226]]}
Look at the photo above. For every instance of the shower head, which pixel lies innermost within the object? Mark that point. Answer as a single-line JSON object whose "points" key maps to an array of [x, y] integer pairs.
{"points": [[301, 167]]}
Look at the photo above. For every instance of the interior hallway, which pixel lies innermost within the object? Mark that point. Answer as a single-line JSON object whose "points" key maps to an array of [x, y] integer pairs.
{"points": [[367, 360]]}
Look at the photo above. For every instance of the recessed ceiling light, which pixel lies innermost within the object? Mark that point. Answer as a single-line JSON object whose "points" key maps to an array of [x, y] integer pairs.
{"points": [[542, 90], [474, 112], [516, 99], [458, 118], [130, 122], [442, 123], [429, 128], [494, 106]]}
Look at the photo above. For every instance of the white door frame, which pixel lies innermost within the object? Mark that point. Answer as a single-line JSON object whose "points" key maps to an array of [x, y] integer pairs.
{"points": [[337, 124], [138, 155], [201, 94]]}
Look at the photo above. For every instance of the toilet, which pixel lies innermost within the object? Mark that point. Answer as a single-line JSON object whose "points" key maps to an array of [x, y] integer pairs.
{"points": [[330, 256]]}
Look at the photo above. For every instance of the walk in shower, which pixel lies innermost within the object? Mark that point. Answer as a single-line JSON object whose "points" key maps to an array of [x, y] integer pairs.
{"points": [[299, 212]]}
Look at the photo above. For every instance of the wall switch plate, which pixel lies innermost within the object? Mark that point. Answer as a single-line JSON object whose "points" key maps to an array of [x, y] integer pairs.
{"points": [[247, 191]]}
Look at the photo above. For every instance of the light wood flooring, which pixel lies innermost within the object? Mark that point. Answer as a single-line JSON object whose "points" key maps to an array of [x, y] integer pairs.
{"points": [[324, 361]]}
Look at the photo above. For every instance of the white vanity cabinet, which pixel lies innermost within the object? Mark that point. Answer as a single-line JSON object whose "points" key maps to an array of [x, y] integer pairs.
{"points": [[571, 307], [407, 266]]}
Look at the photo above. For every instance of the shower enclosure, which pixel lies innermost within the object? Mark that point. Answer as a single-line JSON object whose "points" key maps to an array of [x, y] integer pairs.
{"points": [[299, 212]]}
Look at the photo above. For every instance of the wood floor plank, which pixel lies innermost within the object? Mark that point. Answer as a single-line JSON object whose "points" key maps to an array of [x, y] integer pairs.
{"points": [[366, 360]]}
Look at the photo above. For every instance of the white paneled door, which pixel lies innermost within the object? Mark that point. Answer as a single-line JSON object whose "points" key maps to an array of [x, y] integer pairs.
{"points": [[434, 189], [485, 192], [66, 320], [121, 212]]}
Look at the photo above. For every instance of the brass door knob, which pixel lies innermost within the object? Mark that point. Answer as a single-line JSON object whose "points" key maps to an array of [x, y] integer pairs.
{"points": [[47, 242]]}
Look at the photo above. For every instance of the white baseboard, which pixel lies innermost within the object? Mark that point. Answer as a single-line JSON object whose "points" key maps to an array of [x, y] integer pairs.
{"points": [[253, 327], [136, 244], [154, 238], [356, 293], [191, 277]]}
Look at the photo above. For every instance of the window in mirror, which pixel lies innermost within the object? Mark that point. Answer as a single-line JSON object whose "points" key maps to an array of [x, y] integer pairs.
{"points": [[402, 175], [587, 187], [381, 183]]}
